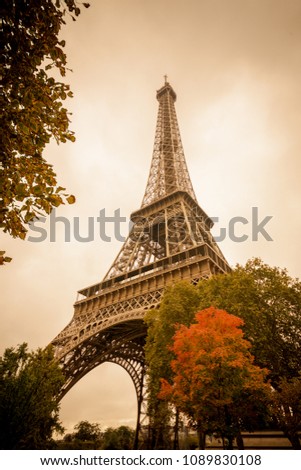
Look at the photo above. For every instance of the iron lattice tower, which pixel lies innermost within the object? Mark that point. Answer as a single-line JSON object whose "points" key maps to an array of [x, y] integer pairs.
{"points": [[170, 240]]}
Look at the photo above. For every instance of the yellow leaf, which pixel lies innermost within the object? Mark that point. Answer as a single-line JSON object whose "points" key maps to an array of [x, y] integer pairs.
{"points": [[71, 199]]}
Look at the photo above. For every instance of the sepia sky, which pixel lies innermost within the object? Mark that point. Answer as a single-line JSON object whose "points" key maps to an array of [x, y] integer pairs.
{"points": [[236, 68]]}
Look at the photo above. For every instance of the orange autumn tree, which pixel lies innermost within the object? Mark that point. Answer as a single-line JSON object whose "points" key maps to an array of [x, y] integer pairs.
{"points": [[215, 379]]}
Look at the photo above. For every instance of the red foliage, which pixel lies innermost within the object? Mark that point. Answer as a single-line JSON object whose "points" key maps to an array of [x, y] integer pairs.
{"points": [[213, 365]]}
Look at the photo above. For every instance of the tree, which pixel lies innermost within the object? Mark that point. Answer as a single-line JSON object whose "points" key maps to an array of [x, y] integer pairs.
{"points": [[32, 98], [213, 374], [269, 302], [286, 408], [121, 438], [30, 383], [85, 431], [179, 305], [86, 436], [89, 436]]}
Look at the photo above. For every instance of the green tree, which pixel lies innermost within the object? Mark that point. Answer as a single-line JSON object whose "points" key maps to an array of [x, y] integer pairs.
{"points": [[269, 302], [32, 55], [179, 305], [86, 436], [121, 438], [85, 431], [30, 383], [214, 374]]}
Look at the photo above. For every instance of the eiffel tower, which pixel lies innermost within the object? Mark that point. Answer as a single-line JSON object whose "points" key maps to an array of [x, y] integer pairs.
{"points": [[170, 240]]}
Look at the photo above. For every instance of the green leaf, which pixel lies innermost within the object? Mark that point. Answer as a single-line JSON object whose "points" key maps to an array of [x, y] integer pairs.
{"points": [[24, 129], [37, 190]]}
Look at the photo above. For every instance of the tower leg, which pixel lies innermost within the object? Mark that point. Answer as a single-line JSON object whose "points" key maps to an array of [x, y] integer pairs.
{"points": [[137, 433], [141, 414]]}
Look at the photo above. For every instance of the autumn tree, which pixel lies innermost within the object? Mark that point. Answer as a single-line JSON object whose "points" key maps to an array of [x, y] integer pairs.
{"points": [[32, 56], [30, 383], [269, 302], [179, 305], [213, 374]]}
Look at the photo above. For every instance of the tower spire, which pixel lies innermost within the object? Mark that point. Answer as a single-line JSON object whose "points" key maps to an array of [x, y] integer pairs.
{"points": [[168, 172]]}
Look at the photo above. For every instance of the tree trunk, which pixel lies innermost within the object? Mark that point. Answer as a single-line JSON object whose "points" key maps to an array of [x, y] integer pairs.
{"points": [[229, 443], [201, 436], [240, 441], [176, 431], [294, 440], [228, 420]]}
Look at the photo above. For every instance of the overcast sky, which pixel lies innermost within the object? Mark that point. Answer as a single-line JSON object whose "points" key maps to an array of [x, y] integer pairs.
{"points": [[236, 68]]}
